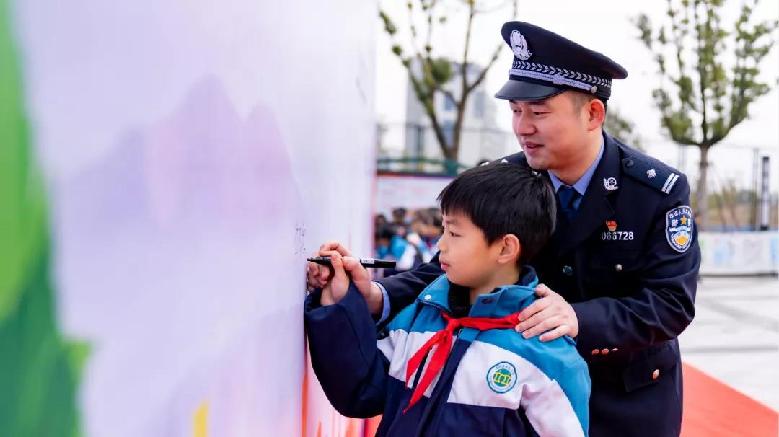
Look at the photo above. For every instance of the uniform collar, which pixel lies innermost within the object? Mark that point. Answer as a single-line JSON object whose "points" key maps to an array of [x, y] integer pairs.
{"points": [[581, 185], [596, 206], [500, 302]]}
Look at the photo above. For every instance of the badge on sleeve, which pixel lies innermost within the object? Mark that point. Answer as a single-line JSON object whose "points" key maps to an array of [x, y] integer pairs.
{"points": [[678, 228]]}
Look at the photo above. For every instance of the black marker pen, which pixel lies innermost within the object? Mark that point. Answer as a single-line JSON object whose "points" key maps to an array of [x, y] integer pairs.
{"points": [[365, 262]]}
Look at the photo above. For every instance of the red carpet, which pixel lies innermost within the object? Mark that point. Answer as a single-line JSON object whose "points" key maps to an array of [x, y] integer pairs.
{"points": [[714, 409]]}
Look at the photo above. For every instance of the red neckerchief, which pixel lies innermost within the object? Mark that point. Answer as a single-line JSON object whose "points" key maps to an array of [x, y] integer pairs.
{"points": [[443, 339]]}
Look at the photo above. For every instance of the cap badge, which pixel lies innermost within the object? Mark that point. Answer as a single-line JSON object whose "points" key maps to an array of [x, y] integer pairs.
{"points": [[519, 46], [610, 183]]}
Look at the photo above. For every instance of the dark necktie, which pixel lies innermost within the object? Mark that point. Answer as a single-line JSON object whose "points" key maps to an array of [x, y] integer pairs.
{"points": [[568, 196]]}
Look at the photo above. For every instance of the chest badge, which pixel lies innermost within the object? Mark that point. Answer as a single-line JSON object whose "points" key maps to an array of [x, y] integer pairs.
{"points": [[502, 377], [612, 234], [678, 228], [610, 183]]}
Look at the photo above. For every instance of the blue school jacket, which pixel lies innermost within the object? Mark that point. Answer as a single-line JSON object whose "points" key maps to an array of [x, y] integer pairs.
{"points": [[495, 382]]}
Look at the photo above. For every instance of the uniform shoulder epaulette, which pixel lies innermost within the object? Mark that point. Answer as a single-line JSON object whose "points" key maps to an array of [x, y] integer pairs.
{"points": [[648, 170]]}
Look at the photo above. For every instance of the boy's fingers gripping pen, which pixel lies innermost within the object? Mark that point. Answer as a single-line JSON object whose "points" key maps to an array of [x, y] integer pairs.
{"points": [[365, 262]]}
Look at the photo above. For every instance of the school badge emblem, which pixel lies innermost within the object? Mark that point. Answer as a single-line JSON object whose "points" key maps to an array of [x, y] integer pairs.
{"points": [[678, 228], [502, 377], [519, 46]]}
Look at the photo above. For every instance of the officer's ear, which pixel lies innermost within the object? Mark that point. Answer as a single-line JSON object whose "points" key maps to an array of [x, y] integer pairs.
{"points": [[510, 249], [596, 114]]}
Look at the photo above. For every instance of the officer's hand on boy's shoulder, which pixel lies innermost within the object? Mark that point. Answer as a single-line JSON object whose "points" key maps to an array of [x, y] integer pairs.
{"points": [[550, 315]]}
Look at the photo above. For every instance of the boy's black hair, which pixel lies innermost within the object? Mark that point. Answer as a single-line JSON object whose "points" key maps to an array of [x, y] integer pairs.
{"points": [[505, 198]]}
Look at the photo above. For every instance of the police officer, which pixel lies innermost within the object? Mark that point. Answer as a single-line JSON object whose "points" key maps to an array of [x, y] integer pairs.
{"points": [[620, 272]]}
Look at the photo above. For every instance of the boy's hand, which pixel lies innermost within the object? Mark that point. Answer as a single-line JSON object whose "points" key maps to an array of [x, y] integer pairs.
{"points": [[336, 287], [344, 268], [319, 276]]}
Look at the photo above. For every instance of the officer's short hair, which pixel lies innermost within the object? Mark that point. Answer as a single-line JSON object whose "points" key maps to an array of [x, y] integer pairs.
{"points": [[505, 198], [580, 99]]}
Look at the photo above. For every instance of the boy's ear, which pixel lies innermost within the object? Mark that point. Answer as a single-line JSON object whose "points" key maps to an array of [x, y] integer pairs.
{"points": [[510, 250]]}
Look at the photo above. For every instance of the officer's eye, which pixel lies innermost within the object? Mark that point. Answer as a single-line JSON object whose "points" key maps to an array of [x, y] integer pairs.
{"points": [[453, 234]]}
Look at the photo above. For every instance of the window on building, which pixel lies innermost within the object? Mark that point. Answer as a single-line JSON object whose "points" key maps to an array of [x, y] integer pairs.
{"points": [[478, 104], [448, 127], [449, 104]]}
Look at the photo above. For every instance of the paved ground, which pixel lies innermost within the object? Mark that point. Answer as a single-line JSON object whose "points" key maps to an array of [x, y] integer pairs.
{"points": [[735, 335]]}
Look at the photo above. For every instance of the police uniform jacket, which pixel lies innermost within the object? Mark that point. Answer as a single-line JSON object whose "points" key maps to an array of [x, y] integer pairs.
{"points": [[628, 263]]}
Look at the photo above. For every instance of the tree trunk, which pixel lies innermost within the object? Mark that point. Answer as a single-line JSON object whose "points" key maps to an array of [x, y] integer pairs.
{"points": [[701, 191]]}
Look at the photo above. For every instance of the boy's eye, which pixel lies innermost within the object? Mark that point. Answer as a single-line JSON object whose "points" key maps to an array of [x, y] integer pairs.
{"points": [[453, 234]]}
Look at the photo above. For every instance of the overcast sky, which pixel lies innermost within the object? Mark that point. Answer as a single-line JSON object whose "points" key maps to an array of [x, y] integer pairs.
{"points": [[603, 26]]}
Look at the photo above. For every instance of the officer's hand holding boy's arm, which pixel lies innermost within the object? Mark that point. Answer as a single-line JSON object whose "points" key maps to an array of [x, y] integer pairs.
{"points": [[550, 315], [319, 276]]}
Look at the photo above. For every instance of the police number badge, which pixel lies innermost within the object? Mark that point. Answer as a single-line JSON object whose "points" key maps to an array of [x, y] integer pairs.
{"points": [[678, 228], [502, 377], [519, 46]]}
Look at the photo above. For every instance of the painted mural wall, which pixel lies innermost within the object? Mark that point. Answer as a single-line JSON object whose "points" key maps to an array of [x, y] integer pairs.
{"points": [[165, 167]]}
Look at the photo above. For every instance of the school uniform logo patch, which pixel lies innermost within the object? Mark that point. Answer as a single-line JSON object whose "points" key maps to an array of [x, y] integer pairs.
{"points": [[502, 377], [678, 228]]}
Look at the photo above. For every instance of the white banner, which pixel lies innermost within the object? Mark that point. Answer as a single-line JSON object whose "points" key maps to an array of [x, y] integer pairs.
{"points": [[408, 191], [739, 253]]}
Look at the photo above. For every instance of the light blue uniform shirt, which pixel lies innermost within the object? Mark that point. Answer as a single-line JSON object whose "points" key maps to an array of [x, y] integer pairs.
{"points": [[581, 185]]}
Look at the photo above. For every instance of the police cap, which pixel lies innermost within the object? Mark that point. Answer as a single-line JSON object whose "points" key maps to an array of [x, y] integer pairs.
{"points": [[546, 64]]}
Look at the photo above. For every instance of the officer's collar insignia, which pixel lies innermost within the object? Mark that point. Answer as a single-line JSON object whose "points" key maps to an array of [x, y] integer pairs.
{"points": [[610, 183], [611, 225], [651, 173], [502, 377], [678, 228], [519, 46]]}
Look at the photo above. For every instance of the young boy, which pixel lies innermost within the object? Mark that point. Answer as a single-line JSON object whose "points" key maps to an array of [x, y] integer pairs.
{"points": [[451, 364]]}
